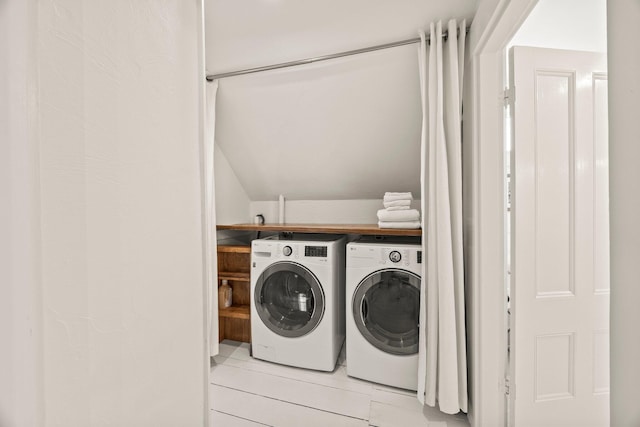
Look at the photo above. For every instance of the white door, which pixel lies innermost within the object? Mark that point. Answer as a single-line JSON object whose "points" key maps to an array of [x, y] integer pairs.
{"points": [[559, 362]]}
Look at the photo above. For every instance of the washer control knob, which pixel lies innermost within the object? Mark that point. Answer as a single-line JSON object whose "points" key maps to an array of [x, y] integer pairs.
{"points": [[395, 256], [287, 250]]}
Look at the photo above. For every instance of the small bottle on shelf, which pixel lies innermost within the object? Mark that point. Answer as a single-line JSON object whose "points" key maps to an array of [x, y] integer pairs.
{"points": [[225, 294]]}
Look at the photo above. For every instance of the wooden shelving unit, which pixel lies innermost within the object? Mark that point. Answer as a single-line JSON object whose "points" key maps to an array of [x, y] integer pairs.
{"points": [[236, 312], [234, 263], [234, 275], [363, 229]]}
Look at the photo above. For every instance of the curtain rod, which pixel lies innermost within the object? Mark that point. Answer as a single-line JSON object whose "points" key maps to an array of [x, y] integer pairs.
{"points": [[211, 77]]}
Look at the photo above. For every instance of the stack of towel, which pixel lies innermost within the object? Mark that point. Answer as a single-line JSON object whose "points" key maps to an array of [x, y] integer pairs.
{"points": [[397, 212]]}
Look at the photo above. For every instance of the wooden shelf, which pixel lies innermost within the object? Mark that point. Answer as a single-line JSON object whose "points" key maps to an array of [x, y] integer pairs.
{"points": [[238, 249], [363, 229], [234, 265], [232, 275], [236, 312]]}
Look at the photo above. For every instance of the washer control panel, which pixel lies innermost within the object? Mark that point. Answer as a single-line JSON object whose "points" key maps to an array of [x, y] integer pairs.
{"points": [[315, 251], [320, 252], [394, 256]]}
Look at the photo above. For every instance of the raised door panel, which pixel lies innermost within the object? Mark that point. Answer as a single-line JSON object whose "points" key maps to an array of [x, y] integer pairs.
{"points": [[559, 241]]}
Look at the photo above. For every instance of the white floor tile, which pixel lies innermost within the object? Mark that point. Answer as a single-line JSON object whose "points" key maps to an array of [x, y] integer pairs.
{"points": [[219, 419], [456, 420], [247, 392], [275, 412], [316, 396], [394, 389], [384, 415], [398, 400], [234, 350], [388, 408], [336, 379]]}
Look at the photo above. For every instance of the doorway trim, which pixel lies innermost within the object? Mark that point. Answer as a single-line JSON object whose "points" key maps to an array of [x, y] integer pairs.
{"points": [[485, 234]]}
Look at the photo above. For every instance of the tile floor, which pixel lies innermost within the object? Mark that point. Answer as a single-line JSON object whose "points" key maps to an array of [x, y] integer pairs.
{"points": [[247, 392]]}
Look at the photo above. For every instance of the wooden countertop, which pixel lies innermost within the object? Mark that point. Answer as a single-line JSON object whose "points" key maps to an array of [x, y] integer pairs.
{"points": [[363, 229]]}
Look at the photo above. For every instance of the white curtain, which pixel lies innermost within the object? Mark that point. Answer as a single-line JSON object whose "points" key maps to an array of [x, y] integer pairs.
{"points": [[442, 368], [211, 261]]}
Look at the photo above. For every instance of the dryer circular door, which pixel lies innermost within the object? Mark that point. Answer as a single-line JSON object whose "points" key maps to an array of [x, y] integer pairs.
{"points": [[289, 299], [386, 310]]}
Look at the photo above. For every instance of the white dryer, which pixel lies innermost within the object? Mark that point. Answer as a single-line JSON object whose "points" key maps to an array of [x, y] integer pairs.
{"points": [[383, 312], [297, 290]]}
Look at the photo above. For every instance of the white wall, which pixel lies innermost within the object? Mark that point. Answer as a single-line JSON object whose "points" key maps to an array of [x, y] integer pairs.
{"points": [[624, 131], [323, 211], [20, 290], [232, 202], [257, 32], [624, 158], [345, 129], [120, 113], [565, 24]]}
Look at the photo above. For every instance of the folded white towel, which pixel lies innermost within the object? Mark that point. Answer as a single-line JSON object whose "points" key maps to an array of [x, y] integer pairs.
{"points": [[389, 197], [404, 215], [395, 203], [398, 208], [399, 224]]}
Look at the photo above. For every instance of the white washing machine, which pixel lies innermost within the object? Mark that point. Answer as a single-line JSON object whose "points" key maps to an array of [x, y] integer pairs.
{"points": [[383, 312], [297, 290]]}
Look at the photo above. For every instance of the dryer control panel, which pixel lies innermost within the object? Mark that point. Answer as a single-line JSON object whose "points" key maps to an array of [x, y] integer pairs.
{"points": [[398, 256]]}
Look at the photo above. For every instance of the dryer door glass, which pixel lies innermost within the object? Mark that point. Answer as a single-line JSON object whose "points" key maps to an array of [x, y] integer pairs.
{"points": [[386, 309], [289, 299]]}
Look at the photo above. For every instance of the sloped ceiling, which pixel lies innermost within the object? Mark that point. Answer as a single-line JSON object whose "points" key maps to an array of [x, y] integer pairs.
{"points": [[565, 24], [348, 128]]}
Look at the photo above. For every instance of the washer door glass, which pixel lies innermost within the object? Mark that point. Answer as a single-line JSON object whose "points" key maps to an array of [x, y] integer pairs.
{"points": [[289, 299], [386, 309]]}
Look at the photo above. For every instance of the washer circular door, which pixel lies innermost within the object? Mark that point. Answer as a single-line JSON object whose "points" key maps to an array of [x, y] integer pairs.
{"points": [[289, 299], [386, 309]]}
